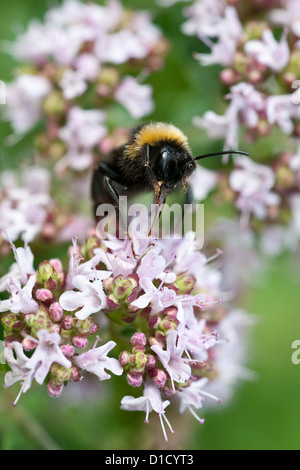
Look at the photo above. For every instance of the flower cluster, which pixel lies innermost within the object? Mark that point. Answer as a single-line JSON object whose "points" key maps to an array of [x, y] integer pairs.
{"points": [[25, 207], [80, 62], [256, 44], [30, 212], [169, 295]]}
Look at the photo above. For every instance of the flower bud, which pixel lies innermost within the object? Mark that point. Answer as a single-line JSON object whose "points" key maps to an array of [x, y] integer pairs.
{"points": [[154, 321], [140, 362], [67, 322], [229, 77], [28, 344], [107, 284], [138, 339], [11, 322], [254, 29], [40, 320], [59, 374], [89, 247], [94, 328], [79, 341], [151, 361], [51, 284], [43, 295], [57, 265], [54, 390], [67, 350], [185, 284], [158, 376], [46, 272], [56, 312], [153, 341], [241, 63], [135, 380], [122, 288], [76, 375], [55, 328], [53, 103], [124, 358]]}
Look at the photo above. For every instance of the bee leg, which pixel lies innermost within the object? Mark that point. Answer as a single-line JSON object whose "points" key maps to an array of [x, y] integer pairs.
{"points": [[106, 190], [113, 189], [103, 189]]}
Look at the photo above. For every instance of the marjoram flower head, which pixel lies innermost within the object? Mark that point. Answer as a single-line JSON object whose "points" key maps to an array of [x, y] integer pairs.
{"points": [[53, 321]]}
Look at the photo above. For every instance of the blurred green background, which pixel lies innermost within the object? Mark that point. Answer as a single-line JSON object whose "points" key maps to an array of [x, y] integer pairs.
{"points": [[262, 415]]}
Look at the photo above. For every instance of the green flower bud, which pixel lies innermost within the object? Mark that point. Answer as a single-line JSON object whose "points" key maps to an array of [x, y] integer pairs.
{"points": [[60, 374], [88, 248], [241, 63], [53, 103], [39, 320], [11, 322], [140, 362], [185, 284], [254, 29], [123, 287], [46, 272]]}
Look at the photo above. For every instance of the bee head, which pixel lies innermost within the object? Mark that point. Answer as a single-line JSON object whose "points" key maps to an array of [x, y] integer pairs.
{"points": [[170, 165]]}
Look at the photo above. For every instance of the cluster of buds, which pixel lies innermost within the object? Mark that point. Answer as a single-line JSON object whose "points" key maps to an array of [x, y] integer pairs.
{"points": [[121, 291], [36, 308], [137, 361], [163, 317]]}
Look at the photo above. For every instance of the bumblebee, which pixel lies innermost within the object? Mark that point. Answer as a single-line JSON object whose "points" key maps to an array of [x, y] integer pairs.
{"points": [[156, 157]]}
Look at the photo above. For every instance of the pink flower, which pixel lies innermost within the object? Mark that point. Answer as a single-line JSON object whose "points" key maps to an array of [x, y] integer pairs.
{"points": [[90, 297], [230, 354], [23, 209], [288, 16], [228, 30], [82, 132], [24, 101], [87, 65], [281, 110], [72, 84], [21, 269], [24, 369], [33, 45], [269, 52], [203, 17], [153, 266], [151, 400], [21, 370], [253, 183], [192, 398], [21, 300], [171, 358], [46, 353], [159, 298], [245, 108], [198, 342], [134, 41], [95, 361], [136, 98], [86, 269], [202, 182]]}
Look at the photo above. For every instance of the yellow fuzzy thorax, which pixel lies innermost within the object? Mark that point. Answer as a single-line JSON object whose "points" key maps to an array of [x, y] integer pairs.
{"points": [[153, 133]]}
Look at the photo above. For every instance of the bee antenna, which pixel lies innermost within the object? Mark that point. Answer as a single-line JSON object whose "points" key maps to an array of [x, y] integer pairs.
{"points": [[225, 152]]}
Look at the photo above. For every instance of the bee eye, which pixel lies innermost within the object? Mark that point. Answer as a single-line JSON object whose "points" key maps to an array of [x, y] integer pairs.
{"points": [[165, 154]]}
